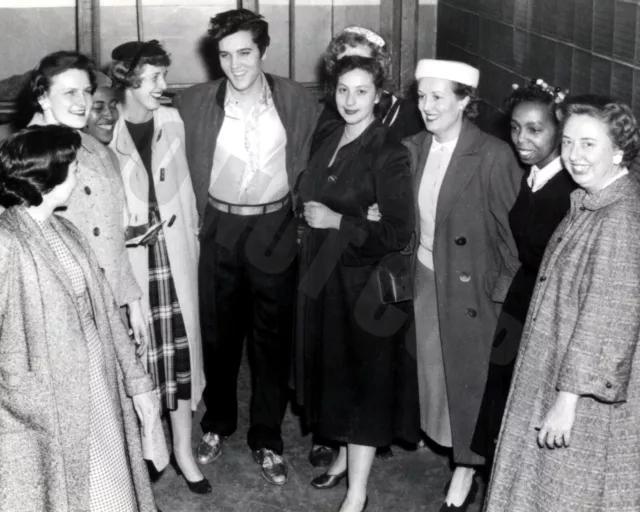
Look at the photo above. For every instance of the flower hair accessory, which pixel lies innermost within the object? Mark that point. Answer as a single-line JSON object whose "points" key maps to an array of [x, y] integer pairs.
{"points": [[369, 35], [556, 93]]}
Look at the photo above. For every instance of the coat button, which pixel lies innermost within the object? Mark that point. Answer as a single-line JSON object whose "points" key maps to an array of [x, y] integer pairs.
{"points": [[543, 279], [460, 240], [465, 277], [472, 313], [332, 178], [582, 208], [608, 385], [87, 190], [559, 239], [96, 231]]}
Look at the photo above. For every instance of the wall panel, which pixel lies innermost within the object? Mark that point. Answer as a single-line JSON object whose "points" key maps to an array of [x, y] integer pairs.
{"points": [[584, 45]]}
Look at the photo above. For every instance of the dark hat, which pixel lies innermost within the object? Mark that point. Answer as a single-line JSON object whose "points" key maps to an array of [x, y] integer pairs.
{"points": [[135, 50]]}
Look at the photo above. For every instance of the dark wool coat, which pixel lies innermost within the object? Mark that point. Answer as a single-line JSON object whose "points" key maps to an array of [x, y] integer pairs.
{"points": [[202, 110], [474, 260], [580, 336], [44, 372]]}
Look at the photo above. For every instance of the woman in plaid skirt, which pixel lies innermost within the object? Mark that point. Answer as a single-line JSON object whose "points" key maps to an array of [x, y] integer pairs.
{"points": [[148, 142]]}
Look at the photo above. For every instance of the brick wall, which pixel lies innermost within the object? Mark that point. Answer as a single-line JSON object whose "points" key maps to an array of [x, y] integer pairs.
{"points": [[584, 45]]}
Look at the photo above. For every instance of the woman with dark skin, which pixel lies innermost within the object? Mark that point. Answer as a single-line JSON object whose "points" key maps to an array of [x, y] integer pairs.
{"points": [[542, 203]]}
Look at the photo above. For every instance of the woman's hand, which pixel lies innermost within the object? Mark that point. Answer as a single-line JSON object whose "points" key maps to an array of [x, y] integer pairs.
{"points": [[373, 213], [319, 216], [555, 431], [148, 409], [139, 326]]}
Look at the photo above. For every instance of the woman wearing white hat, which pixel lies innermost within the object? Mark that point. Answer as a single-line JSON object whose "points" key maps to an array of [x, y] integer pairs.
{"points": [[465, 184]]}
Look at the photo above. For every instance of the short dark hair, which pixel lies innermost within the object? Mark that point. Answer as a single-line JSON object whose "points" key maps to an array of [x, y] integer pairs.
{"points": [[237, 20], [127, 66], [533, 93], [34, 161], [463, 91], [53, 65], [622, 124]]}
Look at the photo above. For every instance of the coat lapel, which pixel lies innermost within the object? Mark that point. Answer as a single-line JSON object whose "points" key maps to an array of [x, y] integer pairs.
{"points": [[464, 163]]}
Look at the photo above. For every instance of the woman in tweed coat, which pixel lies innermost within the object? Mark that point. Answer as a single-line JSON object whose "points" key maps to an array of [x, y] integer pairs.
{"points": [[61, 88], [69, 376], [570, 439]]}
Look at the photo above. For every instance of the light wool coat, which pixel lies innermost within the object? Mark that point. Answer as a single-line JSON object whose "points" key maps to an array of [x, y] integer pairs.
{"points": [[177, 205], [580, 336], [475, 258], [44, 372], [97, 207]]}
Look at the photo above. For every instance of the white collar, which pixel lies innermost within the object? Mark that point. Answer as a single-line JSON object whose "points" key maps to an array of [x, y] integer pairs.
{"points": [[538, 178], [449, 146]]}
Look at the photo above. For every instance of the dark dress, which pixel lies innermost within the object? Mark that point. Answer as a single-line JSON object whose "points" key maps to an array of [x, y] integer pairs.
{"points": [[533, 219], [356, 371], [400, 115]]}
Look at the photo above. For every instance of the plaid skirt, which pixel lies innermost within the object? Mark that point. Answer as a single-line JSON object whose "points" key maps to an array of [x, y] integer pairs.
{"points": [[168, 352]]}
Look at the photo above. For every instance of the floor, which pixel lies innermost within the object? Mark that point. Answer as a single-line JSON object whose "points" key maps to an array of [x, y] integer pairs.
{"points": [[411, 481]]}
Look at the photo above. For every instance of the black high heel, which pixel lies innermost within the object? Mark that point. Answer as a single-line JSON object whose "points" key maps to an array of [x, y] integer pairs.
{"points": [[200, 487], [327, 481]]}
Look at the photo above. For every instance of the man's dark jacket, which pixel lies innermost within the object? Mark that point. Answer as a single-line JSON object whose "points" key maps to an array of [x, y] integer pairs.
{"points": [[202, 110]]}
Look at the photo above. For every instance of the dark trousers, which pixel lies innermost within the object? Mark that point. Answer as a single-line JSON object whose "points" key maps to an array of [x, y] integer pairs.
{"points": [[247, 280]]}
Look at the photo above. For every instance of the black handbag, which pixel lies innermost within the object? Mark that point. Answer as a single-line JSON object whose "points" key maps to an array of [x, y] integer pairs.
{"points": [[394, 275]]}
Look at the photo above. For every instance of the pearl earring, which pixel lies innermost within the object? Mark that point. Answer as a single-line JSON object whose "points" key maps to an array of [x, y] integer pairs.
{"points": [[617, 159]]}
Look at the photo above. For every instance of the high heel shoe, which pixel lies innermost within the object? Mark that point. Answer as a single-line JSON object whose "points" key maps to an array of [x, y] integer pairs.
{"points": [[471, 497], [200, 487], [327, 481]]}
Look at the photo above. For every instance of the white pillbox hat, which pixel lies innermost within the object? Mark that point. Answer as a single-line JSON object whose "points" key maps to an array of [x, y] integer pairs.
{"points": [[448, 70]]}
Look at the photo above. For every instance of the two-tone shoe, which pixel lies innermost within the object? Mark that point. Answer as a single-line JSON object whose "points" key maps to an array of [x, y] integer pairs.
{"points": [[274, 469], [209, 448]]}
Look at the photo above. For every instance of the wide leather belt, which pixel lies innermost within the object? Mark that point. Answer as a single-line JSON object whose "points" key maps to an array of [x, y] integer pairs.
{"points": [[250, 209]]}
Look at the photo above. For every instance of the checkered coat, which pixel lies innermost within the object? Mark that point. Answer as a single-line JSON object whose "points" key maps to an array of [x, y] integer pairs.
{"points": [[44, 372], [580, 336]]}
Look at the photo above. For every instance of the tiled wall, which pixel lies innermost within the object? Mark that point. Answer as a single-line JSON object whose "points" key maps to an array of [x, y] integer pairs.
{"points": [[584, 45]]}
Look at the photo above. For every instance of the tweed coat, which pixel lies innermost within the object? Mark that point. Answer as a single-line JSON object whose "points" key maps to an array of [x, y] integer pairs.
{"points": [[44, 372], [474, 260], [98, 209], [580, 336], [177, 206]]}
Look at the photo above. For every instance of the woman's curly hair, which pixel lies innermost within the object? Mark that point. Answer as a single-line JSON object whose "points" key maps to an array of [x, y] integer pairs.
{"points": [[339, 45], [622, 125]]}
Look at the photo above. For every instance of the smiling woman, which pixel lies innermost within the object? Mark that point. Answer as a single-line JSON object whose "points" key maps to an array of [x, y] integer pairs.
{"points": [[149, 144], [356, 372], [61, 88]]}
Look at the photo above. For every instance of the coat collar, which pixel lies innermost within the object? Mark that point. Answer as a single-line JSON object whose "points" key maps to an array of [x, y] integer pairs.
{"points": [[462, 166], [615, 191], [124, 143], [221, 93]]}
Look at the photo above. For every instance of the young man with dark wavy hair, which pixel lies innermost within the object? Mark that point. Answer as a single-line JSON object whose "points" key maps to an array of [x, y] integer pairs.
{"points": [[248, 136]]}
